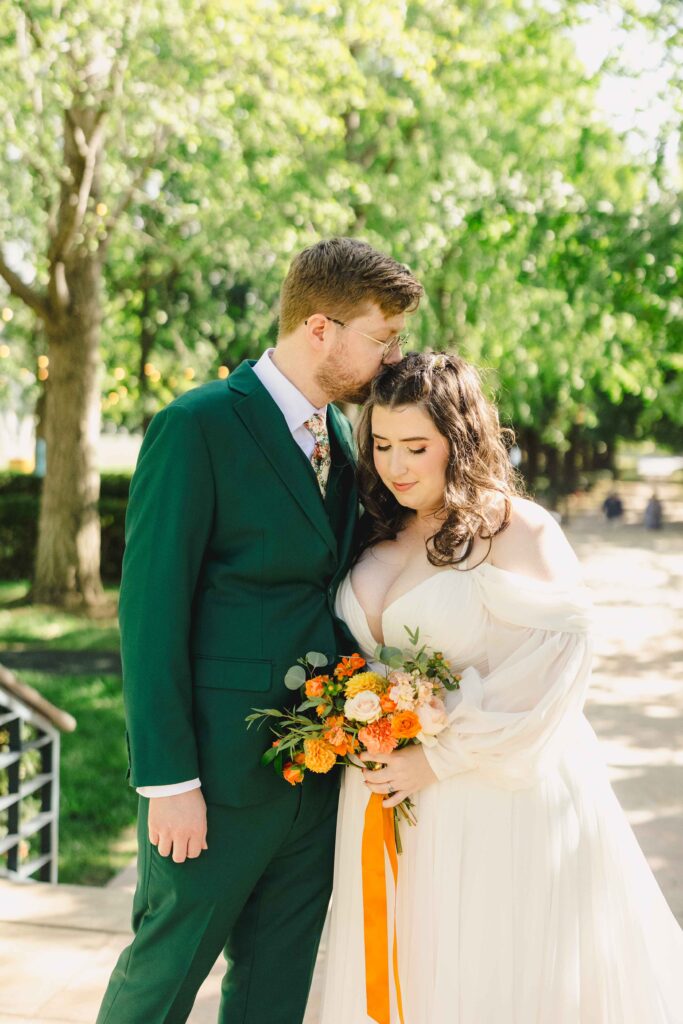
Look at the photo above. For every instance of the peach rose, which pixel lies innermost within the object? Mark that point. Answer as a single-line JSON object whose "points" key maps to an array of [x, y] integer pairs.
{"points": [[433, 716]]}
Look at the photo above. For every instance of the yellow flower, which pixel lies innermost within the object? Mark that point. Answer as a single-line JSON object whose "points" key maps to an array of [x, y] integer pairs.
{"points": [[366, 681], [319, 756]]}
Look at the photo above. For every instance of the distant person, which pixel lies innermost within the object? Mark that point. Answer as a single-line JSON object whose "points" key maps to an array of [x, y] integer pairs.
{"points": [[653, 513], [613, 507]]}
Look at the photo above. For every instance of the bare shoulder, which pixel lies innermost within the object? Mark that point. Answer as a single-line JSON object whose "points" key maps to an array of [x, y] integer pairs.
{"points": [[533, 544]]}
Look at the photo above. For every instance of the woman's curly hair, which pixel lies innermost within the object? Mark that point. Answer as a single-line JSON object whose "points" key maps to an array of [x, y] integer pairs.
{"points": [[480, 479]]}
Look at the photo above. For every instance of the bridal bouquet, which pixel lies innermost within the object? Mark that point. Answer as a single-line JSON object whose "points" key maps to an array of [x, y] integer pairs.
{"points": [[349, 709]]}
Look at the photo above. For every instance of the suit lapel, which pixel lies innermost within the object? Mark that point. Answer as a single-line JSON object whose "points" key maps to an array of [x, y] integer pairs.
{"points": [[266, 424]]}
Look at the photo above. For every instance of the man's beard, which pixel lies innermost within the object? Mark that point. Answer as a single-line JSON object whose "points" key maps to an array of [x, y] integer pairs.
{"points": [[339, 383]]}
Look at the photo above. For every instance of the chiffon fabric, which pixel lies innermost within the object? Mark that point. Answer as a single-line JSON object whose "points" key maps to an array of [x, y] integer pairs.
{"points": [[523, 896]]}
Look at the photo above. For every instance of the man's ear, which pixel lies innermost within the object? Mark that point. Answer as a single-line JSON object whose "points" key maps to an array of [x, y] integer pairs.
{"points": [[316, 327]]}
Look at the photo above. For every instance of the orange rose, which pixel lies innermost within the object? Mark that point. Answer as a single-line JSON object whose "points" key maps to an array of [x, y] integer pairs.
{"points": [[405, 725], [388, 705], [315, 687], [293, 773], [299, 758]]}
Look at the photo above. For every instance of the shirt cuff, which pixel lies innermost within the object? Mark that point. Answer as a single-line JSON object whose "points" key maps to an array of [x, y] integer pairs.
{"points": [[174, 789]]}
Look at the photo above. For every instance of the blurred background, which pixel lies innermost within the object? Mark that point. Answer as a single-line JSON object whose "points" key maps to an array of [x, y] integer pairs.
{"points": [[163, 162]]}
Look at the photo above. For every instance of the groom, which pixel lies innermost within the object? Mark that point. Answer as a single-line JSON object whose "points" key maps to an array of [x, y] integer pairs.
{"points": [[239, 527]]}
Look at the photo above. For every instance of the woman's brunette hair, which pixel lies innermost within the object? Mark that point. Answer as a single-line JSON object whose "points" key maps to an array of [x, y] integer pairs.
{"points": [[480, 479]]}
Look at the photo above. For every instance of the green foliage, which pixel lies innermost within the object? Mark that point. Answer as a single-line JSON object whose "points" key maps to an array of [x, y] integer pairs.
{"points": [[96, 803], [463, 138], [19, 510], [35, 626]]}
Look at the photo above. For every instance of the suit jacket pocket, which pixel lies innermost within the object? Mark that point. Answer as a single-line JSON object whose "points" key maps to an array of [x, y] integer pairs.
{"points": [[231, 673]]}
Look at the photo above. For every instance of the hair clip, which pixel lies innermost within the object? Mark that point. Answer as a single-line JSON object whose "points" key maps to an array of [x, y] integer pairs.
{"points": [[439, 363]]}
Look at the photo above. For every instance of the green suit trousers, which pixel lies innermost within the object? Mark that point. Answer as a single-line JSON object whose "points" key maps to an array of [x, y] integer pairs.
{"points": [[259, 893]]}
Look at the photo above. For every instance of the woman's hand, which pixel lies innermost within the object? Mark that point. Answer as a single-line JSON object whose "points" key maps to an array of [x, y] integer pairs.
{"points": [[406, 772]]}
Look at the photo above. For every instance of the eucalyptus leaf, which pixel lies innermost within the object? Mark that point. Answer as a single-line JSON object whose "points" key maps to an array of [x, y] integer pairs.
{"points": [[316, 660], [295, 678]]}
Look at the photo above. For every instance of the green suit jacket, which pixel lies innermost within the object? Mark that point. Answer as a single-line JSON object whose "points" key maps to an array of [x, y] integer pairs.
{"points": [[230, 571]]}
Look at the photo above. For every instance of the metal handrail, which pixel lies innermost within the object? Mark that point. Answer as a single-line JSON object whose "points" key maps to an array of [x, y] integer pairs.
{"points": [[22, 706]]}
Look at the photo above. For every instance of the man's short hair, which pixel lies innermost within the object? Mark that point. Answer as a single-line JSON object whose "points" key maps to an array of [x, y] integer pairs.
{"points": [[340, 277]]}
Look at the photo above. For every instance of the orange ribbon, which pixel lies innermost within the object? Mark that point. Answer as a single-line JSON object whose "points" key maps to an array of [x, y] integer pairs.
{"points": [[378, 833]]}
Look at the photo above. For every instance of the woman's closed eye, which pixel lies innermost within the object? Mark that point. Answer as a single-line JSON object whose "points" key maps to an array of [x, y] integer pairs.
{"points": [[413, 451]]}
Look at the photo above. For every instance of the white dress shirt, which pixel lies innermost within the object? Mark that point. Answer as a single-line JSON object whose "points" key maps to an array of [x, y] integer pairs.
{"points": [[296, 409]]}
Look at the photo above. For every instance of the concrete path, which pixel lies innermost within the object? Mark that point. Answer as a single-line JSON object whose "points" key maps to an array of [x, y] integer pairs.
{"points": [[58, 944]]}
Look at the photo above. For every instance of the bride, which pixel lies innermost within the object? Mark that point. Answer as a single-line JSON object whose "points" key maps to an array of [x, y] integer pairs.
{"points": [[523, 897]]}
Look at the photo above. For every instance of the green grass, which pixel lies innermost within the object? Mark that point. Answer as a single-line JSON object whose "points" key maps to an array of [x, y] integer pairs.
{"points": [[24, 625], [97, 804]]}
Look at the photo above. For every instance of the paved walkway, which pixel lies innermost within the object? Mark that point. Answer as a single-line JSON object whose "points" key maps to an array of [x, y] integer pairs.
{"points": [[58, 944]]}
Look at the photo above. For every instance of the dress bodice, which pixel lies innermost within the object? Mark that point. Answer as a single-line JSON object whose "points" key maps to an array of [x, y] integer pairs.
{"points": [[446, 608], [472, 615]]}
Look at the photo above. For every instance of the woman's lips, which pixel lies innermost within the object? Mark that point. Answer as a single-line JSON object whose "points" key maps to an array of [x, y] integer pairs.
{"points": [[403, 487]]}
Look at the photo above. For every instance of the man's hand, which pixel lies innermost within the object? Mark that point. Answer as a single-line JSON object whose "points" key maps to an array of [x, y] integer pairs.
{"points": [[177, 825]]}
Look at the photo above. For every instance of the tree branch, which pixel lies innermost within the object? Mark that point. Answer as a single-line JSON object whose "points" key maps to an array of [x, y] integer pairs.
{"points": [[160, 138], [73, 213], [33, 299]]}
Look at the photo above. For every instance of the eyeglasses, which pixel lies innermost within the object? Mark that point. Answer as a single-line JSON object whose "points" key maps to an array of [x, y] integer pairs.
{"points": [[389, 347]]}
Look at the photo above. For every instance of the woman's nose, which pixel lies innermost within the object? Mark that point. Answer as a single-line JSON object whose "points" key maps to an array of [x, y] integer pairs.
{"points": [[397, 464]]}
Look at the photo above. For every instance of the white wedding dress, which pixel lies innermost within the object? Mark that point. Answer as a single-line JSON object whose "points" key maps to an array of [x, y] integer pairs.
{"points": [[523, 896]]}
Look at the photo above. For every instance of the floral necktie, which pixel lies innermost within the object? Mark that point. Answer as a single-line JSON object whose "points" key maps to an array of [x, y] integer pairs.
{"points": [[321, 459]]}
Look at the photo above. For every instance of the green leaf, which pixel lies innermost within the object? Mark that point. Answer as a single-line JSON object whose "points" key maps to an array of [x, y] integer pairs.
{"points": [[295, 677], [269, 756], [414, 637], [310, 704], [316, 660], [390, 655]]}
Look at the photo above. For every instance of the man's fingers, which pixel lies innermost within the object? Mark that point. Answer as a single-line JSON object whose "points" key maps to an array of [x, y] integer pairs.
{"points": [[153, 837], [180, 849], [164, 845], [195, 847]]}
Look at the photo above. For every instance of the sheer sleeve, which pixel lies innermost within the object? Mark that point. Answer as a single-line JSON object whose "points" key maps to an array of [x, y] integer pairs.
{"points": [[512, 722]]}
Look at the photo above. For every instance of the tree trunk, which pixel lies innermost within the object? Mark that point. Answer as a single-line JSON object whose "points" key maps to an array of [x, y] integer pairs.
{"points": [[531, 448], [570, 481], [552, 469], [68, 554]]}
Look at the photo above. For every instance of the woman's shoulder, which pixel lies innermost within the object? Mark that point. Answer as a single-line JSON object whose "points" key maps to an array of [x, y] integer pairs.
{"points": [[533, 544]]}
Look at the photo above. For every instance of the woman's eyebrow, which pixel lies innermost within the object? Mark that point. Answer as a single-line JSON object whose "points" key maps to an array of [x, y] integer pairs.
{"points": [[378, 437]]}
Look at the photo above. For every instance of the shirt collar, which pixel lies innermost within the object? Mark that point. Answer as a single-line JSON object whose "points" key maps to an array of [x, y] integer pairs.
{"points": [[294, 406]]}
